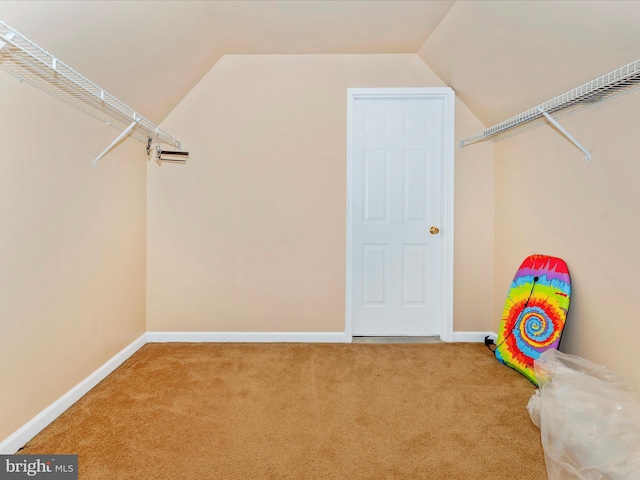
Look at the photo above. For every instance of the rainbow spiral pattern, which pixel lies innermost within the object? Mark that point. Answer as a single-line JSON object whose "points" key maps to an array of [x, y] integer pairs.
{"points": [[535, 313]]}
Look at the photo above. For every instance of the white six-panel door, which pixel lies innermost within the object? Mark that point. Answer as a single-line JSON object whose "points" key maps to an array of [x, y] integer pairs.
{"points": [[396, 198]]}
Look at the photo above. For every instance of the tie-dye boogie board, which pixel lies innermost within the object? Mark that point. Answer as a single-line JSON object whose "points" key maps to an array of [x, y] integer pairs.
{"points": [[535, 313]]}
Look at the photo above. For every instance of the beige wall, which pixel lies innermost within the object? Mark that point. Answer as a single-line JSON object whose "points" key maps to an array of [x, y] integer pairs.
{"points": [[250, 236], [72, 241], [474, 254], [550, 200]]}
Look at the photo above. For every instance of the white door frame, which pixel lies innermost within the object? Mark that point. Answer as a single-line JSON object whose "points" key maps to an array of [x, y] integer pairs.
{"points": [[446, 322]]}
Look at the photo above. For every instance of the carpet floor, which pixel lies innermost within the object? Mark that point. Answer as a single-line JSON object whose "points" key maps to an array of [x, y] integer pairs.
{"points": [[303, 411]]}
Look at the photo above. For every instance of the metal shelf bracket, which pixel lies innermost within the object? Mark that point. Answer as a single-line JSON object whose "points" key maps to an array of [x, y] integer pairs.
{"points": [[117, 140], [565, 133]]}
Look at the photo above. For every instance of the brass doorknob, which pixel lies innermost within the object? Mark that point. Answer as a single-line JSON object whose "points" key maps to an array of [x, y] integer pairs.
{"points": [[434, 230]]}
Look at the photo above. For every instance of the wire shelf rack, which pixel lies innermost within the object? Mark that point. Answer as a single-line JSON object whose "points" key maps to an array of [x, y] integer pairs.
{"points": [[618, 82], [31, 63]]}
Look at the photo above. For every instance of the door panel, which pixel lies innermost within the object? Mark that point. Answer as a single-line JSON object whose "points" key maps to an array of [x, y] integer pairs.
{"points": [[374, 274], [414, 274], [376, 185], [416, 181]]}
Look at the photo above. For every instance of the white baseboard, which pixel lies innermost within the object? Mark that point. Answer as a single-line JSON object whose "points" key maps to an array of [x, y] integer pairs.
{"points": [[473, 336], [17, 439], [279, 337], [264, 337]]}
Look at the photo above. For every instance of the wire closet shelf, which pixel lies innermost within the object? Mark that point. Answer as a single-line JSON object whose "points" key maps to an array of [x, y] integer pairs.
{"points": [[31, 63], [618, 82]]}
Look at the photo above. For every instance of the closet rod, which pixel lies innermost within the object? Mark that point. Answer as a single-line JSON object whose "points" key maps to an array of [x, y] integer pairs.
{"points": [[613, 84], [29, 62]]}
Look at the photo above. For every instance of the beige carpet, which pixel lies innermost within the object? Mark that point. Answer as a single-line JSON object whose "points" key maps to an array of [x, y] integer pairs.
{"points": [[303, 411]]}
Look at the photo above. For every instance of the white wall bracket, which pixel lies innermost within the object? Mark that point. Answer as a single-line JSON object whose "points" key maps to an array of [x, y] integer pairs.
{"points": [[117, 140], [565, 133]]}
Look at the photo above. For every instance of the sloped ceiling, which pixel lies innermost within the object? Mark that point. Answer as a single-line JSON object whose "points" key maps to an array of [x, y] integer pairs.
{"points": [[325, 26], [504, 57], [501, 57], [147, 54], [150, 54]]}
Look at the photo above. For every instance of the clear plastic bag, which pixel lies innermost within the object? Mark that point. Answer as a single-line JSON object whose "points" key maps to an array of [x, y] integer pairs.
{"points": [[533, 407], [589, 419]]}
